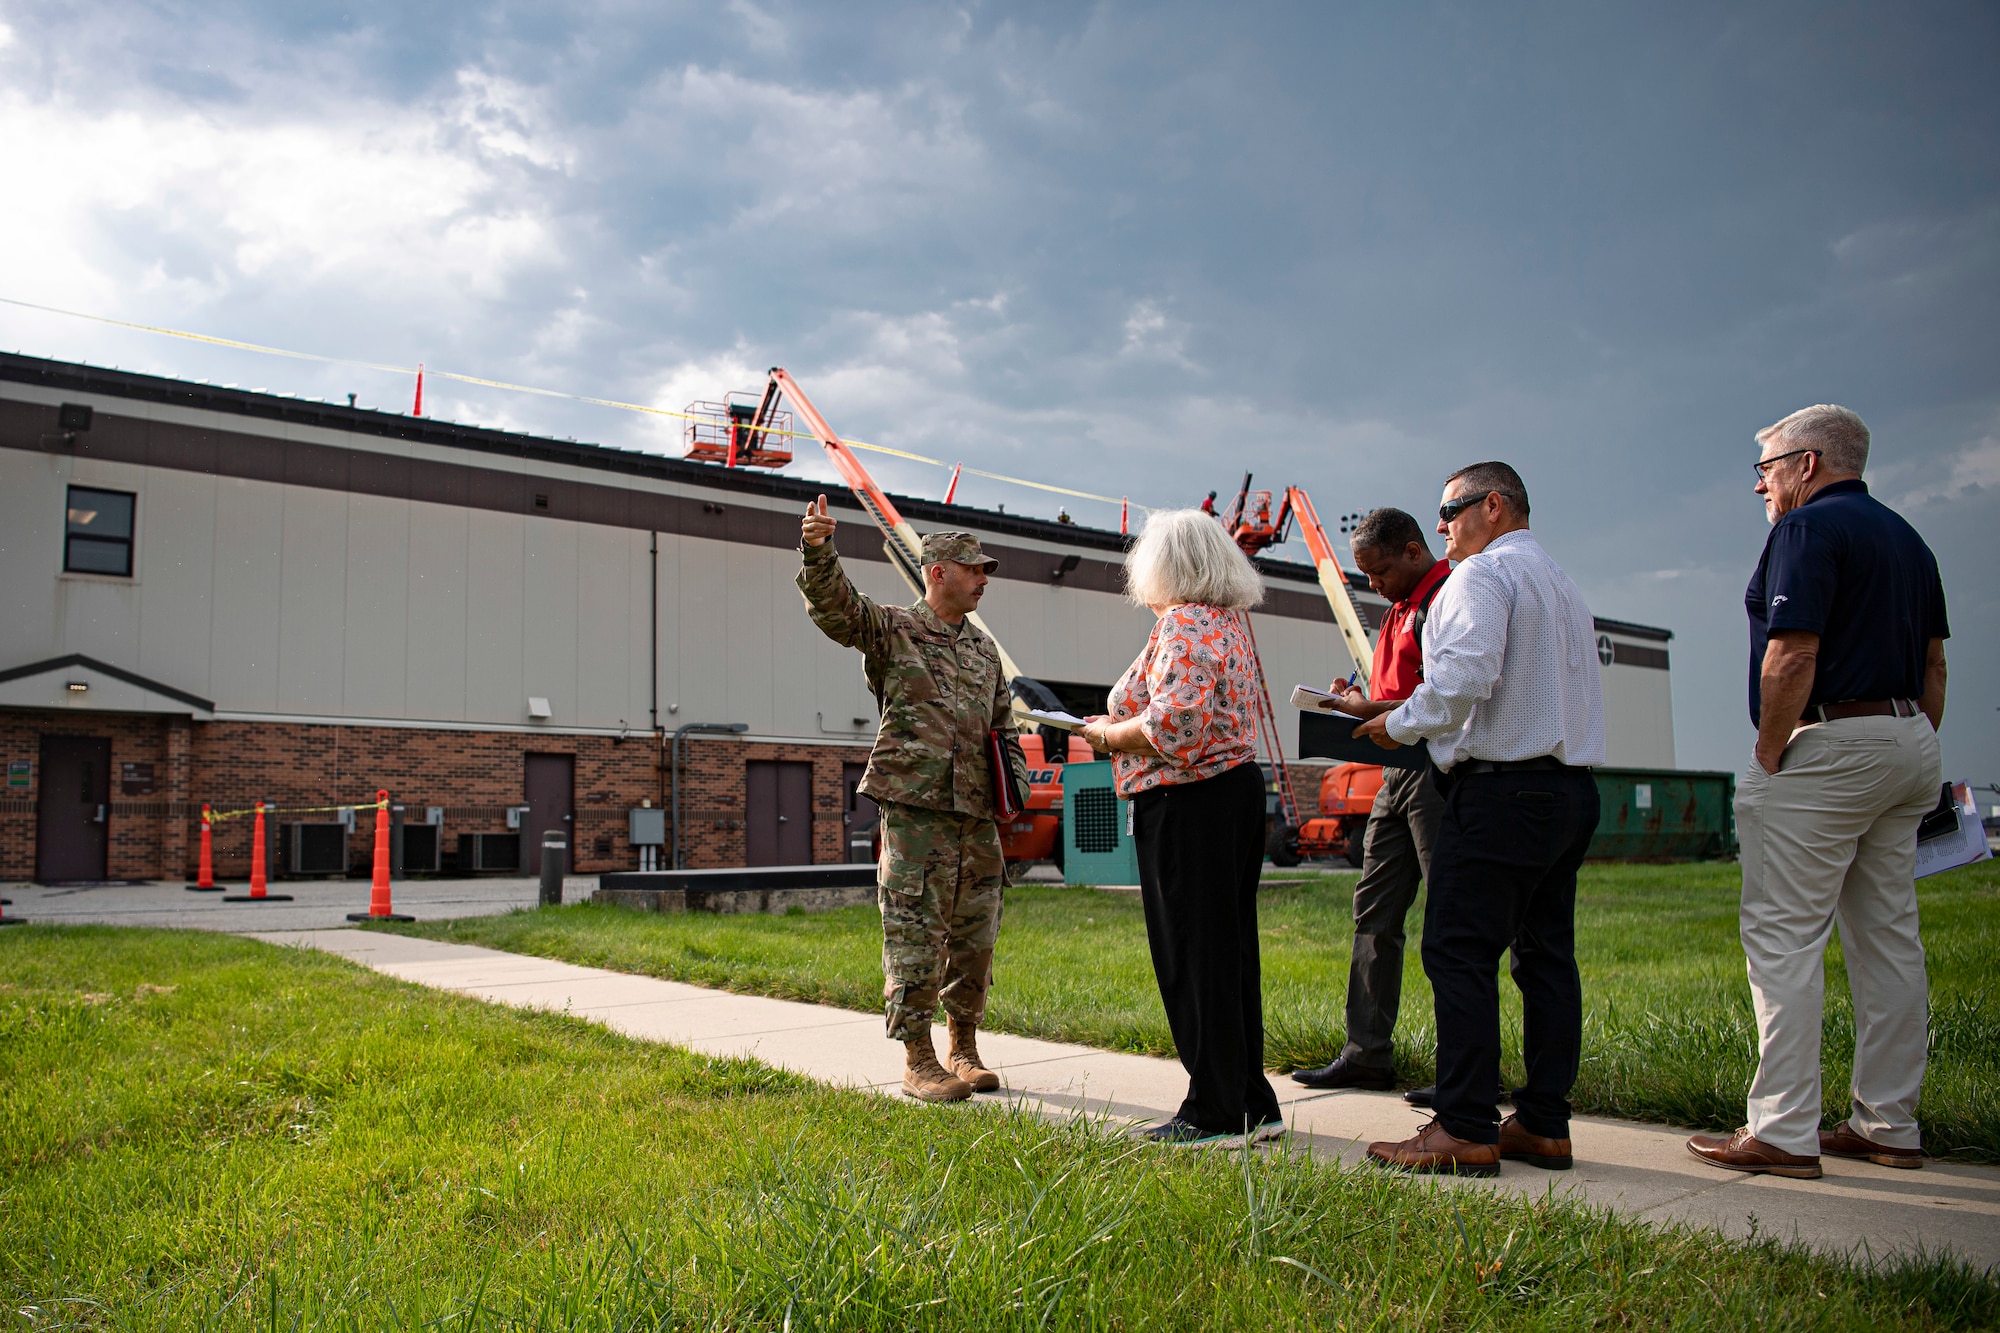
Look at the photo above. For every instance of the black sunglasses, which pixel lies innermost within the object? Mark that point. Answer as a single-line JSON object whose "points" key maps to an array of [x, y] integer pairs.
{"points": [[1451, 509]]}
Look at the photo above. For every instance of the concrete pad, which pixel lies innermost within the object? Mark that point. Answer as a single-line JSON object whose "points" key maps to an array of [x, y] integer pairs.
{"points": [[1641, 1171], [316, 904]]}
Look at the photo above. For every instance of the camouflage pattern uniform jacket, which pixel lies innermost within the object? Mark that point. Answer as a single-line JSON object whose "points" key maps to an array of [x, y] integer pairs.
{"points": [[940, 690]]}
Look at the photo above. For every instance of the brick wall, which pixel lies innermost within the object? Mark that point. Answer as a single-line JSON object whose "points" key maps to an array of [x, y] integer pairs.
{"points": [[146, 829], [713, 790], [474, 775]]}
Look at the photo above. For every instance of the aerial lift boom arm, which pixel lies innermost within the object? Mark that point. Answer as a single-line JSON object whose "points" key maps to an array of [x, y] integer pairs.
{"points": [[903, 545], [1332, 580]]}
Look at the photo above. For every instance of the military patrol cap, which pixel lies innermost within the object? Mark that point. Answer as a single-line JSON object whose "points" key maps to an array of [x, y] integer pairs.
{"points": [[961, 548]]}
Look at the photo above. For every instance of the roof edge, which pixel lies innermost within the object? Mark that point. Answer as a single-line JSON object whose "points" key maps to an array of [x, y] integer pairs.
{"points": [[116, 673]]}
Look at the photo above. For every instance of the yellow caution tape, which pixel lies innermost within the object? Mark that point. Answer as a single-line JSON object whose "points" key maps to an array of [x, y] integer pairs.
{"points": [[239, 345], [218, 816]]}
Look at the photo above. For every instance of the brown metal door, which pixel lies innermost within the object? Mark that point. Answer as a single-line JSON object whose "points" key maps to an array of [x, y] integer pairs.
{"points": [[549, 788], [777, 813], [859, 815], [73, 816]]}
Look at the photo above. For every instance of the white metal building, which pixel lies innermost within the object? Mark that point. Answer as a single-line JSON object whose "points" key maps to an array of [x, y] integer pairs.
{"points": [[269, 579]]}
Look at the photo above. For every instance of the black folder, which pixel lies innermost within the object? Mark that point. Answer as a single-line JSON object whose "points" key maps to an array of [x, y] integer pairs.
{"points": [[1326, 736]]}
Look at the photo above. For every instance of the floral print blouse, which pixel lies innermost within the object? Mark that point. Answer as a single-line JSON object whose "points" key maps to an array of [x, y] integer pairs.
{"points": [[1191, 688]]}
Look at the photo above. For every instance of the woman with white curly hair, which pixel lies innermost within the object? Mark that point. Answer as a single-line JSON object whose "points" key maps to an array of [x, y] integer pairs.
{"points": [[1182, 734]]}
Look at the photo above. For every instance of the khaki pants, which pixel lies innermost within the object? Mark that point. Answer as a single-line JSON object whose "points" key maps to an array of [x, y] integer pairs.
{"points": [[1833, 837], [939, 884]]}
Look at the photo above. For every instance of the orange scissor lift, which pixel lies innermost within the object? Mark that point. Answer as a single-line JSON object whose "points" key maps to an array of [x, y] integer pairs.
{"points": [[737, 434]]}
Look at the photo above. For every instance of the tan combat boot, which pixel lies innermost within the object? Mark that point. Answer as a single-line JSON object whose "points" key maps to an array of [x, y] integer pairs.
{"points": [[964, 1058], [924, 1078]]}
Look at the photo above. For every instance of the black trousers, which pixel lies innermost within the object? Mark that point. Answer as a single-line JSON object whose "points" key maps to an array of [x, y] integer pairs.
{"points": [[1201, 849], [1503, 875], [1395, 858]]}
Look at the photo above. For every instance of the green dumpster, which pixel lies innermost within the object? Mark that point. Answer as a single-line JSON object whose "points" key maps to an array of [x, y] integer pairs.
{"points": [[1662, 814]]}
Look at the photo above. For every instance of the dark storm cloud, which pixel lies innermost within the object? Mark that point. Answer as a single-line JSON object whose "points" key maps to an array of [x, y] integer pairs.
{"points": [[1141, 248]]}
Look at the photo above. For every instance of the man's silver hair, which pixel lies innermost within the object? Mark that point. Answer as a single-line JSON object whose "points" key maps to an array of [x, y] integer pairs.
{"points": [[1839, 435], [1183, 555]]}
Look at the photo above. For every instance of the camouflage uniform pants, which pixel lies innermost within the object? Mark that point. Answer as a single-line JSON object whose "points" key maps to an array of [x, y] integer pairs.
{"points": [[939, 887]]}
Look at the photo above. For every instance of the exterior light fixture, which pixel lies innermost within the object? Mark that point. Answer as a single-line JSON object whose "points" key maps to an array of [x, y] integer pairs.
{"points": [[78, 686]]}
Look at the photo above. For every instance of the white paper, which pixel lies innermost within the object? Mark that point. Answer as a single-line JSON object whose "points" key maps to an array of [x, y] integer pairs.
{"points": [[1961, 847], [1309, 700], [1067, 721]]}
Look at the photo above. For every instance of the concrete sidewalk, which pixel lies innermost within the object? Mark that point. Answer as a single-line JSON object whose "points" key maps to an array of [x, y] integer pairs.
{"points": [[1639, 1170]]}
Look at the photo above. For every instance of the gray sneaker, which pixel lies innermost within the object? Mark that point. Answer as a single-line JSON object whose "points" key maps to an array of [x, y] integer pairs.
{"points": [[1178, 1133]]}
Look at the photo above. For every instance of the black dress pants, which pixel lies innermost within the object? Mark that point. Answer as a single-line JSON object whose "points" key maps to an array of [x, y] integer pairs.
{"points": [[1201, 850], [1503, 875], [1395, 858]]}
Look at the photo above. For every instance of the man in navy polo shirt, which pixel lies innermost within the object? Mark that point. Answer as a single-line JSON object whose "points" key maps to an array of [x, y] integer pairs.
{"points": [[1847, 677]]}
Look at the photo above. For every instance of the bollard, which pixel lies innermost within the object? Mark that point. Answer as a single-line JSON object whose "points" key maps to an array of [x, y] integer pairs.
{"points": [[204, 880], [258, 853], [379, 906], [555, 857]]}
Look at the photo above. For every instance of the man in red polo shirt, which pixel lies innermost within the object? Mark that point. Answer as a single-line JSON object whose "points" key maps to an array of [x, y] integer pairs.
{"points": [[1389, 547]]}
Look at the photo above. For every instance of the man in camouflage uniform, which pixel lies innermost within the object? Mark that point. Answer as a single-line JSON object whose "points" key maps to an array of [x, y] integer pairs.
{"points": [[939, 684]]}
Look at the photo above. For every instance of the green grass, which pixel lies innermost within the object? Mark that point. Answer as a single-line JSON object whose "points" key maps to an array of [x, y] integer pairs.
{"points": [[1669, 1033], [197, 1132]]}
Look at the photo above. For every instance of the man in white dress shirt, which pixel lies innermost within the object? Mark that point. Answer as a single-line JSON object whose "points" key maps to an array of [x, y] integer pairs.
{"points": [[1513, 709]]}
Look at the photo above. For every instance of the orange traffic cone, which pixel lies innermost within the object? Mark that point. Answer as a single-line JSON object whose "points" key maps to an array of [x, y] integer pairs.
{"points": [[6, 920], [379, 908], [257, 893], [205, 880]]}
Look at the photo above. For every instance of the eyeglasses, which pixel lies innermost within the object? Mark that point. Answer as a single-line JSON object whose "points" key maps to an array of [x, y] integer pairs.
{"points": [[1451, 509], [1763, 469]]}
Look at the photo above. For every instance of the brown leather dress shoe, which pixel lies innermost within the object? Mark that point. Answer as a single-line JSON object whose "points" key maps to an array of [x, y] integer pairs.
{"points": [[1518, 1145], [1744, 1151], [1844, 1142], [1435, 1151]]}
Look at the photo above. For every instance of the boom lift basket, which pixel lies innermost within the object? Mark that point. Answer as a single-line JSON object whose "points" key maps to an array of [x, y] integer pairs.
{"points": [[741, 431]]}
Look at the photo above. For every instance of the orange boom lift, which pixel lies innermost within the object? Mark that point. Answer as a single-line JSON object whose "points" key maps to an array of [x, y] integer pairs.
{"points": [[1346, 791], [1033, 835]]}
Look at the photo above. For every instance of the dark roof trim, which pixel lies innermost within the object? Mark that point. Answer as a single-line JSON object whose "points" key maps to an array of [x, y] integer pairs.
{"points": [[106, 669], [1631, 630]]}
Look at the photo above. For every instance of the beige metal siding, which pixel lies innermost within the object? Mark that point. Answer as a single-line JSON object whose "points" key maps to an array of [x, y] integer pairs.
{"points": [[1638, 716]]}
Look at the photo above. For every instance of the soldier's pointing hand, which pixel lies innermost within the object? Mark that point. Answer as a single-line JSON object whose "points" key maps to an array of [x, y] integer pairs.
{"points": [[817, 526]]}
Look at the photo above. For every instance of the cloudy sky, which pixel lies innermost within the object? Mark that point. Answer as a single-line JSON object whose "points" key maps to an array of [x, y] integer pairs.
{"points": [[1132, 248]]}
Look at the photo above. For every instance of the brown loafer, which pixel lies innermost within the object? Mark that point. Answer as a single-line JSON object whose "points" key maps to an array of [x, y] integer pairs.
{"points": [[1435, 1151], [1844, 1142], [1518, 1145], [1744, 1151]]}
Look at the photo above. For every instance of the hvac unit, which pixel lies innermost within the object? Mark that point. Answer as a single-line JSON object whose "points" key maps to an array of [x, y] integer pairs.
{"points": [[421, 845], [312, 849], [1097, 849], [485, 853]]}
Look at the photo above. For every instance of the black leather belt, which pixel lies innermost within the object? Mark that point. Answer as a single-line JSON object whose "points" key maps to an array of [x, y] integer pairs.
{"points": [[1543, 763], [1860, 708]]}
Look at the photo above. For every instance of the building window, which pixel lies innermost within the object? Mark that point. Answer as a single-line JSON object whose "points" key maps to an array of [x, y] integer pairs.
{"points": [[99, 534]]}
